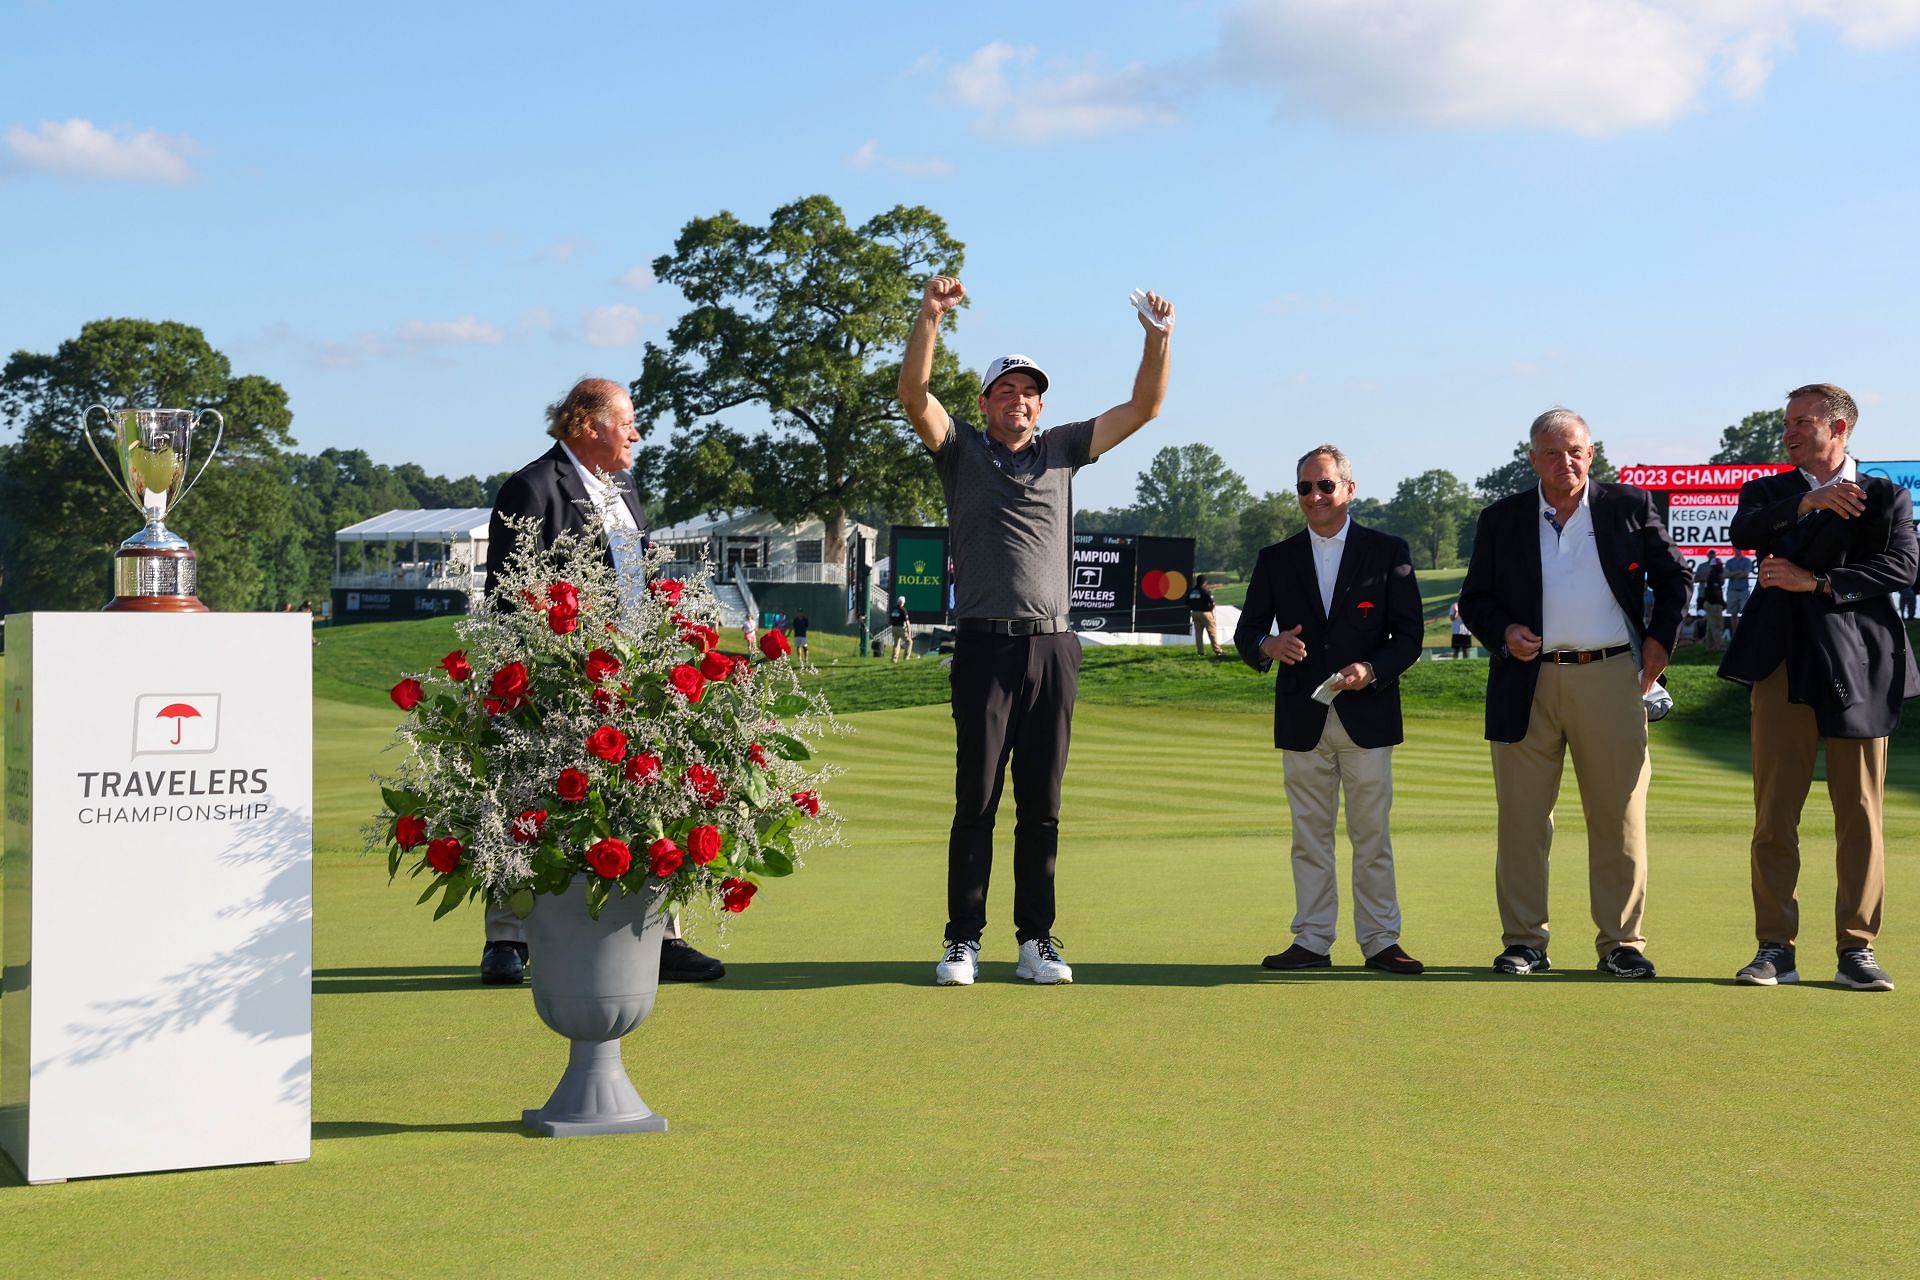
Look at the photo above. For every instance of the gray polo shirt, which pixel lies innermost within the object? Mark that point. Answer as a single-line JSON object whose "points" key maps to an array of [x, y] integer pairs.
{"points": [[1010, 519]]}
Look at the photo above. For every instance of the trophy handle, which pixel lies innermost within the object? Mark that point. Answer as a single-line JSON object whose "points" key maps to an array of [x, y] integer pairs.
{"points": [[86, 433], [219, 434]]}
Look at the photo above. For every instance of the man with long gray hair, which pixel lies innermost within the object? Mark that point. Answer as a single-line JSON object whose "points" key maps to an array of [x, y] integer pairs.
{"points": [[1554, 592]]}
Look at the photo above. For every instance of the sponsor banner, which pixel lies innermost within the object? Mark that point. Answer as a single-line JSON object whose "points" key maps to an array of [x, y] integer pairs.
{"points": [[1906, 474], [1165, 576], [1701, 475], [920, 570], [1698, 521], [1103, 569]]}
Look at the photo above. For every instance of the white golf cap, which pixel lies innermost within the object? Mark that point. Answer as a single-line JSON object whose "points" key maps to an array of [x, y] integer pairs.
{"points": [[1014, 364]]}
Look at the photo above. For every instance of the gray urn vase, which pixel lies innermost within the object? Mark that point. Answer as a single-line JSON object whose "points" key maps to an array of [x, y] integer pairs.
{"points": [[594, 981]]}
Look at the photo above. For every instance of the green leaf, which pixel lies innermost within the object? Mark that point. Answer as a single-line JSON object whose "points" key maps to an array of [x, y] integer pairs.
{"points": [[429, 891], [759, 790], [596, 896], [791, 704], [393, 863], [453, 897], [402, 803], [786, 747], [521, 902], [776, 862]]}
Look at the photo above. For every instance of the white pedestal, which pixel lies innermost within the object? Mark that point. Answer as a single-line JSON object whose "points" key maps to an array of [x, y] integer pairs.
{"points": [[158, 914]]}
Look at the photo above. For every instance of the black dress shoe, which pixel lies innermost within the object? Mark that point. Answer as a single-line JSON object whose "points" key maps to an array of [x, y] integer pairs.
{"points": [[681, 963], [1391, 959], [1297, 957], [503, 964]]}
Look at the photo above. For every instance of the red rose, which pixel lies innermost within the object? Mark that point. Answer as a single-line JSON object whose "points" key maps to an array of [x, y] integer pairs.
{"points": [[773, 644], [526, 827], [493, 705], [715, 665], [563, 621], [407, 694], [443, 855], [564, 595], [705, 784], [455, 665], [509, 685], [703, 845], [601, 664], [608, 743], [643, 768], [610, 858], [701, 638], [667, 589], [735, 893], [687, 682], [572, 786], [807, 802], [665, 856], [757, 754], [604, 701], [409, 831]]}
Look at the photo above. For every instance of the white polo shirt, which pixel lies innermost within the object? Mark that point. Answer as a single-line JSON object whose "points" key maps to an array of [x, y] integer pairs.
{"points": [[1326, 561], [1578, 610]]}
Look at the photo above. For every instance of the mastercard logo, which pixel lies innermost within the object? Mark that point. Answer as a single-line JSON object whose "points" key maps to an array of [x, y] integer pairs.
{"points": [[1163, 584]]}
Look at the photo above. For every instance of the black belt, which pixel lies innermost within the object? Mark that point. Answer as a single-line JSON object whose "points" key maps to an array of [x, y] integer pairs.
{"points": [[1581, 657], [1011, 626]]}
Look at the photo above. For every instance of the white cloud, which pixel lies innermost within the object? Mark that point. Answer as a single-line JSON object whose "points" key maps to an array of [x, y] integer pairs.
{"points": [[640, 277], [1592, 67], [614, 325], [537, 320], [867, 156], [82, 148], [1012, 98], [466, 331], [561, 250]]}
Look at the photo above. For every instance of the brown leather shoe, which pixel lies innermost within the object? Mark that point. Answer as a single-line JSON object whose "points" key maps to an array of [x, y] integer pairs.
{"points": [[1297, 957], [1391, 959]]}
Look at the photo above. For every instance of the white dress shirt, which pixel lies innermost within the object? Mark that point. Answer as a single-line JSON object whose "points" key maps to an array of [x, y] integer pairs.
{"points": [[1326, 561], [1578, 610], [614, 513], [1848, 471]]}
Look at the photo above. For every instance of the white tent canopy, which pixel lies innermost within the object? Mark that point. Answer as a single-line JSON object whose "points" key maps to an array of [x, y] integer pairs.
{"points": [[434, 524]]}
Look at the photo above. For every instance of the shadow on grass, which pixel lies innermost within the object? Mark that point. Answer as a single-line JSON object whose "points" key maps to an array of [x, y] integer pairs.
{"points": [[815, 975], [1479, 973], [427, 977], [327, 1130]]}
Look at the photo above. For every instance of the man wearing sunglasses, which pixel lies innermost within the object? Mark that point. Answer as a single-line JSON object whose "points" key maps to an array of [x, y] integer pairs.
{"points": [[1016, 666], [1554, 591], [1337, 607]]}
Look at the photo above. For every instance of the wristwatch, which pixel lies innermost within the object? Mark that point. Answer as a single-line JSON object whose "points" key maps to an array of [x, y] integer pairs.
{"points": [[1822, 584]]}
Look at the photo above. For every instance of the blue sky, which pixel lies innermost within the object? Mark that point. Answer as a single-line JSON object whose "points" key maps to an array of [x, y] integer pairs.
{"points": [[1405, 226]]}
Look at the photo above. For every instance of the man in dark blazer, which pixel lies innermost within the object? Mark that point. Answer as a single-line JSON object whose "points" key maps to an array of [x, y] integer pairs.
{"points": [[1827, 658], [583, 482], [1347, 611], [1555, 592]]}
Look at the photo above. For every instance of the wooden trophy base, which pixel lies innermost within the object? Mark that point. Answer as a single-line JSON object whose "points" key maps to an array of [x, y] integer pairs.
{"points": [[154, 604]]}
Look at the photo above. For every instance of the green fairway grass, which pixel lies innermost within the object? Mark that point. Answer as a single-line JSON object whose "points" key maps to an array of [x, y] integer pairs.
{"points": [[1178, 1111]]}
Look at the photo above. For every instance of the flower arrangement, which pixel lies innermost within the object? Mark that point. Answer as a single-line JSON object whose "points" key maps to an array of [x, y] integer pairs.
{"points": [[585, 732]]}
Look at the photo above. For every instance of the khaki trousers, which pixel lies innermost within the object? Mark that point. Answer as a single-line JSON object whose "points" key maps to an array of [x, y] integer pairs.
{"points": [[1204, 622], [1785, 740], [1594, 712], [1314, 781]]}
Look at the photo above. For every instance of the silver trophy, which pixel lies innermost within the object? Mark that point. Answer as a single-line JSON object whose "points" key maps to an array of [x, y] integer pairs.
{"points": [[154, 570]]}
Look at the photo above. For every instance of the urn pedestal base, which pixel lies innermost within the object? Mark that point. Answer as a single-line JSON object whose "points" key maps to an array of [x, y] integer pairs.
{"points": [[594, 1096]]}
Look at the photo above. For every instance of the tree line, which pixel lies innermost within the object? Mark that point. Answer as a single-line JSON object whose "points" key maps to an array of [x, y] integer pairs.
{"points": [[261, 519]]}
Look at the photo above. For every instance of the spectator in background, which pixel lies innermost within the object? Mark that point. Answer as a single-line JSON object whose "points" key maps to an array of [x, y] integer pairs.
{"points": [[1462, 638], [1713, 599], [1739, 584], [902, 625], [800, 636], [1200, 605]]}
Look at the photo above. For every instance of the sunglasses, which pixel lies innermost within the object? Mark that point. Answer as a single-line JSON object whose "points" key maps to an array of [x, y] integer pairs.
{"points": [[1305, 487]]}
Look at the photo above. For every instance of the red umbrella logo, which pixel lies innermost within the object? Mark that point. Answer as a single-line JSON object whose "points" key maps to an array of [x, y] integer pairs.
{"points": [[179, 712]]}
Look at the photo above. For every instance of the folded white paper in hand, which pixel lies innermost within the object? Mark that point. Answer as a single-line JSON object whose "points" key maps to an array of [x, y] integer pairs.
{"points": [[1329, 690], [1139, 300]]}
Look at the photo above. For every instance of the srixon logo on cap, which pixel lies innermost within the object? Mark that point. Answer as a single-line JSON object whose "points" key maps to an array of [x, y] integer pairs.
{"points": [[176, 723]]}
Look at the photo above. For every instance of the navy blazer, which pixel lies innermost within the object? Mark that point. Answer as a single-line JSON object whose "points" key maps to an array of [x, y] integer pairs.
{"points": [[1375, 619], [1503, 585], [1847, 654], [550, 489]]}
